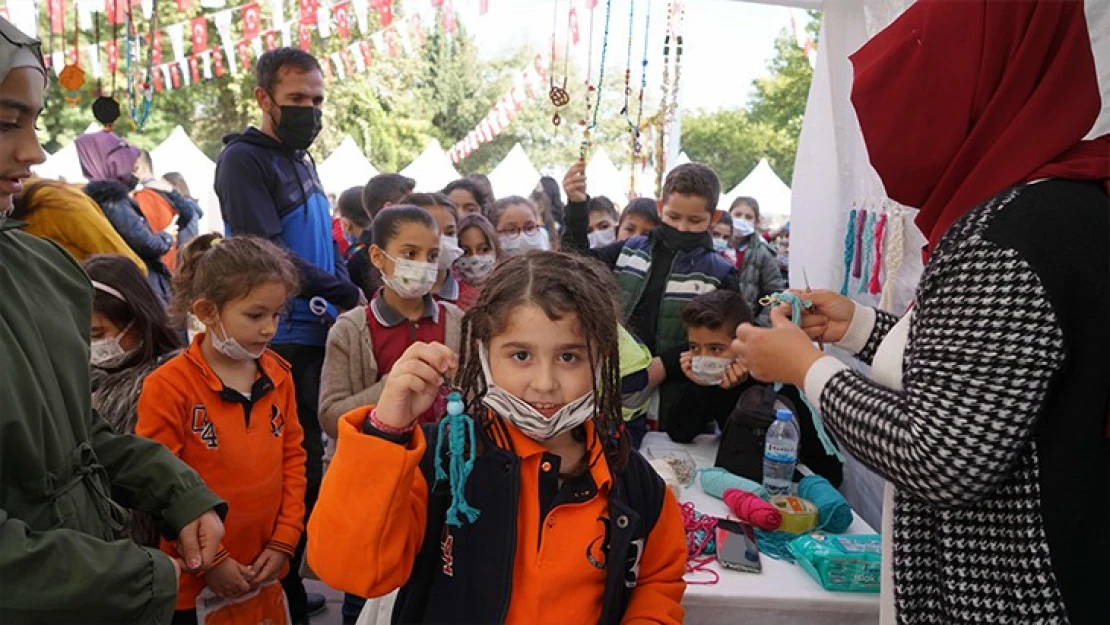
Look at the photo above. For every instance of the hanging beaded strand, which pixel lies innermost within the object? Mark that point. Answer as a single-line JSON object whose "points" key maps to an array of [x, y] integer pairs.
{"points": [[590, 89], [558, 94], [661, 162], [584, 148], [139, 100], [637, 130]]}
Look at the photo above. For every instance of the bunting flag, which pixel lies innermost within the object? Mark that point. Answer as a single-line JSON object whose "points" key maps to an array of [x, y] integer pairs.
{"points": [[85, 10], [308, 11], [199, 31], [417, 29], [277, 16], [379, 42], [156, 48], [323, 22], [116, 10], [167, 78], [391, 42], [194, 68], [385, 12], [339, 69], [256, 45], [252, 20], [218, 61], [362, 14], [93, 52], [500, 117], [244, 55], [57, 11], [175, 76], [403, 37], [184, 5], [113, 56], [213, 4], [159, 83], [177, 40], [342, 24], [449, 23], [206, 64], [483, 7], [366, 54], [287, 35], [304, 37], [271, 40], [572, 21], [147, 7], [354, 51], [223, 27]]}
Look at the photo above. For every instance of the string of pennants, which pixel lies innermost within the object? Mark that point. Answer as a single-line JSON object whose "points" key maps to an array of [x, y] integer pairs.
{"points": [[237, 46]]}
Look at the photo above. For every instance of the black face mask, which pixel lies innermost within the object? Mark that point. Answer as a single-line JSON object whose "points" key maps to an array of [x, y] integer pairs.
{"points": [[299, 125], [132, 182], [683, 241]]}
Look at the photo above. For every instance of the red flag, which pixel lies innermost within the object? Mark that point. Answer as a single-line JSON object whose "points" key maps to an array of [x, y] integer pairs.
{"points": [[199, 29], [252, 17], [271, 39], [184, 5], [244, 54], [113, 55], [156, 48], [366, 55], [391, 41], [305, 37], [218, 60], [385, 13], [116, 10], [159, 86], [483, 7], [572, 20], [342, 21], [308, 11], [175, 76], [57, 10], [448, 17], [194, 68], [437, 3]]}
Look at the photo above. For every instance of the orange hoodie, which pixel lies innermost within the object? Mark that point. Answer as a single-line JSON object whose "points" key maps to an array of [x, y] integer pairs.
{"points": [[248, 452], [364, 534]]}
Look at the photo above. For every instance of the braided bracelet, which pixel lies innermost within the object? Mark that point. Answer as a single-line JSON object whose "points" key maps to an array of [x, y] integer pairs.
{"points": [[377, 424]]}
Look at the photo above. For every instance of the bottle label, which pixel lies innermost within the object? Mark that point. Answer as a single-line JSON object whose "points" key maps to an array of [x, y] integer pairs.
{"points": [[780, 452]]}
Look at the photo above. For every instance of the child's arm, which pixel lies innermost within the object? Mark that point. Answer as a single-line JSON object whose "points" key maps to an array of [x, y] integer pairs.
{"points": [[338, 394], [657, 373], [290, 520], [659, 588]]}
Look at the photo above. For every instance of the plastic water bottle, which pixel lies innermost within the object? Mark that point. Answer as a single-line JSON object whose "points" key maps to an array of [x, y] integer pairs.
{"points": [[780, 454]]}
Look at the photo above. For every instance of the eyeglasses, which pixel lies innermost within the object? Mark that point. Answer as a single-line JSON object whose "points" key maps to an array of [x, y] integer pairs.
{"points": [[512, 233]]}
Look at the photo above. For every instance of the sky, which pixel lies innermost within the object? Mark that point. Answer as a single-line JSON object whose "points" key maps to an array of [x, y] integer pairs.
{"points": [[727, 42]]}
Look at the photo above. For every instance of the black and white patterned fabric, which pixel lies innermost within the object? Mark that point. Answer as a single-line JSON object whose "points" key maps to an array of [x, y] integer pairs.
{"points": [[986, 387]]}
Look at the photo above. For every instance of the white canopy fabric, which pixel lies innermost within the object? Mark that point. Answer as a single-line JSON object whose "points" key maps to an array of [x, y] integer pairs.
{"points": [[514, 175], [178, 153], [682, 159], [62, 165], [432, 170], [603, 178], [346, 167], [768, 189]]}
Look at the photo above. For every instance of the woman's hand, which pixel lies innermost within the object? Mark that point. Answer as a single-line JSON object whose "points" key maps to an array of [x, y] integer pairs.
{"points": [[830, 316], [574, 183], [414, 383], [781, 353]]}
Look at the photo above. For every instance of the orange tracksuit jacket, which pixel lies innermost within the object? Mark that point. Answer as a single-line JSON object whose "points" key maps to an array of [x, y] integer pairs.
{"points": [[248, 452], [367, 528]]}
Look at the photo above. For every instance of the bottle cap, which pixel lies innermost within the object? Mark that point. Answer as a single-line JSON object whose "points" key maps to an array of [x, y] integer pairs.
{"points": [[784, 415]]}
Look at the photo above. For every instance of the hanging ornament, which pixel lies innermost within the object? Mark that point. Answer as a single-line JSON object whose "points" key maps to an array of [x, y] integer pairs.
{"points": [[675, 15], [635, 130], [140, 88], [558, 94]]}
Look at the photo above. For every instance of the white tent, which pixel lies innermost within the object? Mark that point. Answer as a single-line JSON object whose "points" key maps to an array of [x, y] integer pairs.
{"points": [[514, 175], [64, 164], [178, 153], [432, 170], [682, 159], [346, 167], [604, 178], [768, 189]]}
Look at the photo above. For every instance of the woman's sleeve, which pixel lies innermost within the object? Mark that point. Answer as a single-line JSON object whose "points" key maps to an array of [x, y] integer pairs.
{"points": [[984, 346], [368, 524], [868, 328], [659, 589]]}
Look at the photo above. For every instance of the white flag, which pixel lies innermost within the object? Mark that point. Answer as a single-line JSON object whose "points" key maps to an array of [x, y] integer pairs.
{"points": [[356, 54], [148, 8], [402, 29], [58, 61], [167, 77], [213, 4], [94, 60], [206, 68], [256, 44], [362, 14], [223, 26], [186, 72], [177, 39], [340, 68], [379, 42], [287, 35], [277, 13], [85, 10], [323, 19]]}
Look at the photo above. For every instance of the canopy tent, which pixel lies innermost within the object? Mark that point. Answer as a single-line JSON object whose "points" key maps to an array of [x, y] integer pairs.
{"points": [[432, 170], [346, 167], [178, 153], [768, 189], [514, 175], [64, 164], [682, 159], [604, 178]]}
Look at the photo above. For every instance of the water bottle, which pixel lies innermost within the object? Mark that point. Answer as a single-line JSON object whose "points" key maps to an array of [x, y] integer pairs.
{"points": [[780, 454]]}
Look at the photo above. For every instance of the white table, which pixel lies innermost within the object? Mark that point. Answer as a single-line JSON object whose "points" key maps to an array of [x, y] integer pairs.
{"points": [[782, 594]]}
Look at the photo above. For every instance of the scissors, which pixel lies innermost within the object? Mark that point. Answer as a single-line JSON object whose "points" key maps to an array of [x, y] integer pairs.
{"points": [[805, 277]]}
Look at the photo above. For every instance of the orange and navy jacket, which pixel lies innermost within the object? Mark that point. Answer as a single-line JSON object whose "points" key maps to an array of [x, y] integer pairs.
{"points": [[538, 553], [246, 450]]}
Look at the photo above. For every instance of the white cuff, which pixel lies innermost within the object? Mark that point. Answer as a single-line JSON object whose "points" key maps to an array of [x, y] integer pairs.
{"points": [[818, 376], [859, 330]]}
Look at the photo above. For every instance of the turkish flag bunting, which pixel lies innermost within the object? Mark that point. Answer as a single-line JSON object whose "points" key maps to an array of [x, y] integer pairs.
{"points": [[113, 56], [308, 11], [366, 54], [342, 19], [218, 59], [176, 76], [348, 64], [305, 37], [385, 12], [270, 39], [184, 5], [199, 29], [156, 48], [244, 54], [252, 17], [448, 16], [116, 10], [57, 15], [391, 41], [194, 68], [418, 29], [327, 68], [159, 86], [572, 20]]}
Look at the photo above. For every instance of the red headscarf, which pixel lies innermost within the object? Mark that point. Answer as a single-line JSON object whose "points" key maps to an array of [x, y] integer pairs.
{"points": [[959, 100]]}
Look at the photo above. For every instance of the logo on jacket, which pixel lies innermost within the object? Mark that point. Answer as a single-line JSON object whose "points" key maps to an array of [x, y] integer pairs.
{"points": [[203, 427], [597, 552], [277, 421]]}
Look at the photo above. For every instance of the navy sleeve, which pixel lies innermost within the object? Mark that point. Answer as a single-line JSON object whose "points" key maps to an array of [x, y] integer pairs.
{"points": [[731, 281], [244, 193], [671, 363], [135, 231], [316, 282]]}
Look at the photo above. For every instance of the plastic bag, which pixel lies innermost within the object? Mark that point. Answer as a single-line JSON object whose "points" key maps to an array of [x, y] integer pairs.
{"points": [[265, 605]]}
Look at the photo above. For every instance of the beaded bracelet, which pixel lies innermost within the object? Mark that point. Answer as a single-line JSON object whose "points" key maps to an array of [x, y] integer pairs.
{"points": [[389, 429]]}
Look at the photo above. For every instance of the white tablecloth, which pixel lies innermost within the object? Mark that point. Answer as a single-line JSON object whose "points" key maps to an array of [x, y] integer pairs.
{"points": [[782, 594]]}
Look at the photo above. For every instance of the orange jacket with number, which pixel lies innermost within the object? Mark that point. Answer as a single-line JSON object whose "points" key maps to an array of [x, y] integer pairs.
{"points": [[247, 451], [367, 528]]}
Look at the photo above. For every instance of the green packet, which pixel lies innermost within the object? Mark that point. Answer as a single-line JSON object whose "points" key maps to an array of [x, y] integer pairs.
{"points": [[846, 563]]}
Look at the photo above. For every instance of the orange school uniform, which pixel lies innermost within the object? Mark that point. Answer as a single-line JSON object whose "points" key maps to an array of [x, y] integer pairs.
{"points": [[364, 534], [246, 450]]}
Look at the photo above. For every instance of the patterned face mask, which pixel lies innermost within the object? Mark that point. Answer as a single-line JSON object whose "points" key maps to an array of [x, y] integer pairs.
{"points": [[411, 278], [475, 269]]}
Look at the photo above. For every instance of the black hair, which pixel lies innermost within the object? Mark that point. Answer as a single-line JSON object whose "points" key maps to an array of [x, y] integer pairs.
{"points": [[385, 189], [388, 223], [268, 69], [504, 203], [432, 199], [559, 284], [350, 207], [482, 181], [483, 224], [725, 219], [476, 189], [750, 201], [717, 310], [106, 110], [550, 188], [178, 182], [141, 307], [644, 207], [602, 203], [696, 180]]}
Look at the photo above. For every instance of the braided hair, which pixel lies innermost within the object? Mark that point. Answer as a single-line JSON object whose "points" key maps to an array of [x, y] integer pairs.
{"points": [[559, 284]]}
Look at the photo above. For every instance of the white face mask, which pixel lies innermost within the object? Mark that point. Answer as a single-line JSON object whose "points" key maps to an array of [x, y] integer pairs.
{"points": [[411, 278], [743, 227], [601, 238], [526, 418], [107, 352], [475, 269], [710, 369], [449, 251], [537, 241], [231, 347]]}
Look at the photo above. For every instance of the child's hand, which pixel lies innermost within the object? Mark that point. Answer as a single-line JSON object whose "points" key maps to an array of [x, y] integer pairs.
{"points": [[686, 360], [229, 578], [414, 383], [574, 183], [267, 566], [735, 374]]}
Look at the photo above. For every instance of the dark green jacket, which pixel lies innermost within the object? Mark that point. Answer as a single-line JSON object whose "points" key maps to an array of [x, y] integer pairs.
{"points": [[65, 477]]}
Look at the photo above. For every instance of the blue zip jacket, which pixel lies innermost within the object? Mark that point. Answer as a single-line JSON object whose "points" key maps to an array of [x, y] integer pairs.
{"points": [[270, 191]]}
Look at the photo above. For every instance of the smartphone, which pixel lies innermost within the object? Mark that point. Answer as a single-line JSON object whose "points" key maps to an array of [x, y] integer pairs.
{"points": [[736, 546]]}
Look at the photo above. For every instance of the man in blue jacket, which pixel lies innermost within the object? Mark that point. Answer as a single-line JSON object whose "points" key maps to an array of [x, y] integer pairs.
{"points": [[268, 187]]}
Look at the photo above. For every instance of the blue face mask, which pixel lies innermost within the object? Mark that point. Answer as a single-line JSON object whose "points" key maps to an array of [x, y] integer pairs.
{"points": [[720, 245]]}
